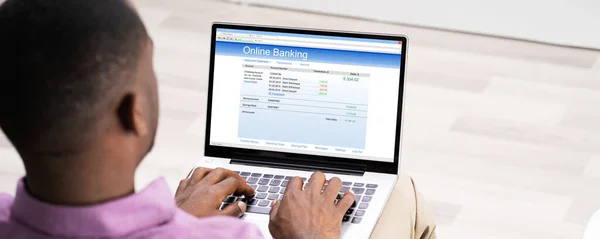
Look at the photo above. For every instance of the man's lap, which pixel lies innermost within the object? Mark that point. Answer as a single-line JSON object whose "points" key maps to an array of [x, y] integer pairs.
{"points": [[405, 215]]}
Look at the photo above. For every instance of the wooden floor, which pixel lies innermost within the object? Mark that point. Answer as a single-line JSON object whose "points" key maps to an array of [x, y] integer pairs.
{"points": [[502, 136]]}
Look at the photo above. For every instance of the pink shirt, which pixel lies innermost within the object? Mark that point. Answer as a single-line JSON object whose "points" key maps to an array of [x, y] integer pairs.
{"points": [[150, 213]]}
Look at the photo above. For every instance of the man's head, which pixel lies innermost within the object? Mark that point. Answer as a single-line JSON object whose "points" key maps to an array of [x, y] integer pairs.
{"points": [[76, 81]]}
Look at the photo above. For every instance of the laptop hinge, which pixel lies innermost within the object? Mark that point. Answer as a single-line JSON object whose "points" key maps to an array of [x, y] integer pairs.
{"points": [[298, 164]]}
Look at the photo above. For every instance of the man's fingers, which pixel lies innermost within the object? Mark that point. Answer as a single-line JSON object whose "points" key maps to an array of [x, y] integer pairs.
{"points": [[317, 180], [332, 189], [344, 204], [235, 209], [295, 183], [182, 185], [220, 174], [273, 221], [198, 175], [234, 185], [274, 208]]}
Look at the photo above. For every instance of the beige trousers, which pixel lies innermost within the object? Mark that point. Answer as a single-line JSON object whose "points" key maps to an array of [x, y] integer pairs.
{"points": [[405, 215]]}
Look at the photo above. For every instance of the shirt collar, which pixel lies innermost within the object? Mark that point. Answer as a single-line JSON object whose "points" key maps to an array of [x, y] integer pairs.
{"points": [[148, 208]]}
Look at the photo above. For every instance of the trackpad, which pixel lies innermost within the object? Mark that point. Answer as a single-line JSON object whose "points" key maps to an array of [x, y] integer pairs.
{"points": [[261, 221]]}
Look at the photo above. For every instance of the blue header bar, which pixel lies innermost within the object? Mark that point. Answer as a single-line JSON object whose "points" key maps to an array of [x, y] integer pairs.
{"points": [[304, 54], [306, 36]]}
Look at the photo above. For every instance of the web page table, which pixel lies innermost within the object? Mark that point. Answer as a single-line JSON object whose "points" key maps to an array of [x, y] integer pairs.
{"points": [[303, 105]]}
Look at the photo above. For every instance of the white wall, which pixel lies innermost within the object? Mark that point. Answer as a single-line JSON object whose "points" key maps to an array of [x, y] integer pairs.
{"points": [[565, 22]]}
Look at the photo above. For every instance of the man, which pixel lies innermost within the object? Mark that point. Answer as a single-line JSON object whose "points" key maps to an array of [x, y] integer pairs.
{"points": [[79, 102]]}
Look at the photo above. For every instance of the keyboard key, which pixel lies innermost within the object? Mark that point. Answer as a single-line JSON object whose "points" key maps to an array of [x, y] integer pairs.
{"points": [[346, 183], [262, 188], [367, 198], [275, 182], [288, 177], [274, 189], [359, 184], [245, 174], [263, 181], [346, 218], [360, 213], [224, 205], [254, 186], [371, 185], [358, 190], [344, 189], [370, 192], [285, 183], [238, 172], [264, 203], [350, 211], [261, 210], [282, 190], [279, 177], [363, 206], [273, 196], [356, 220], [229, 200], [357, 199], [245, 178], [280, 197], [258, 175], [268, 176], [252, 180], [261, 195], [252, 201]]}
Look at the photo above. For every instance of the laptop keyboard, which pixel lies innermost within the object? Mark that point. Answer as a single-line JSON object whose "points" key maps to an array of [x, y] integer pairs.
{"points": [[270, 187]]}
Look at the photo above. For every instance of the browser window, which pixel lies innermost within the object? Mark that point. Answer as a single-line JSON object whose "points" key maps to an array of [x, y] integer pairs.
{"points": [[322, 95]]}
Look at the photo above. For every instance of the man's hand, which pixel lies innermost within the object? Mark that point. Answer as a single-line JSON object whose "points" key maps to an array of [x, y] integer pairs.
{"points": [[201, 194], [304, 214]]}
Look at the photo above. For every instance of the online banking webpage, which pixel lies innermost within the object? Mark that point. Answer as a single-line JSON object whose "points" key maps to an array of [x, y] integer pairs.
{"points": [[321, 95]]}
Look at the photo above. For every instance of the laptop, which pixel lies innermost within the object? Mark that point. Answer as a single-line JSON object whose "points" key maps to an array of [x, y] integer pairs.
{"points": [[285, 102]]}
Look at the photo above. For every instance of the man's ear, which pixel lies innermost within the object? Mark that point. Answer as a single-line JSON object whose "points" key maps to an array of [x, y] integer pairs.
{"points": [[130, 115]]}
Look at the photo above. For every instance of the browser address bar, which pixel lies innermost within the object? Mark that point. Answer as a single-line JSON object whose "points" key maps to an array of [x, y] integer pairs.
{"points": [[323, 45], [317, 40]]}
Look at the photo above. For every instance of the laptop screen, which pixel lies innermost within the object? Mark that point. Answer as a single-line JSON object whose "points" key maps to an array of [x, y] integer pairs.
{"points": [[307, 94]]}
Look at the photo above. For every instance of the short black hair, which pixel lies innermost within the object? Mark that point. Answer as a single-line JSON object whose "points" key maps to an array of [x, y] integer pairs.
{"points": [[59, 62]]}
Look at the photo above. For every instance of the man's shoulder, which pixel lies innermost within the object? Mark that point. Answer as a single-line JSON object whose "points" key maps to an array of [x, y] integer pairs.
{"points": [[182, 225], [6, 200]]}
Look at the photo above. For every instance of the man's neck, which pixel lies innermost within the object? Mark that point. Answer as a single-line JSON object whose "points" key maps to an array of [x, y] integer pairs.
{"points": [[79, 182]]}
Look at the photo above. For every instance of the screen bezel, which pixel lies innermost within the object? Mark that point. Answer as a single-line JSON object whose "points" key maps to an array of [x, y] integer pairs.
{"points": [[370, 166]]}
